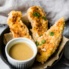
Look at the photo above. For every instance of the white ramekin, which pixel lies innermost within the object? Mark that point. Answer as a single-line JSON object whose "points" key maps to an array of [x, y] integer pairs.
{"points": [[21, 63]]}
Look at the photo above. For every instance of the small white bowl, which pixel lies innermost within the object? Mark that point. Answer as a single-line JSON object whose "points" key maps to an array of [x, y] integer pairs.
{"points": [[21, 63]]}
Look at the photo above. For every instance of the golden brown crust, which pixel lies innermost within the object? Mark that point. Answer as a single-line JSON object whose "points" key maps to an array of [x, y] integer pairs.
{"points": [[52, 39], [17, 27], [38, 20], [48, 41]]}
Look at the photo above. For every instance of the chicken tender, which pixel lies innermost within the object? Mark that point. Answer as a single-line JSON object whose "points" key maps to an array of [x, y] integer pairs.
{"points": [[48, 43], [38, 20], [17, 27]]}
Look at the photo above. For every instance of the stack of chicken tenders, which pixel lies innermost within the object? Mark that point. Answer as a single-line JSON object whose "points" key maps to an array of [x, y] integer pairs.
{"points": [[47, 40]]}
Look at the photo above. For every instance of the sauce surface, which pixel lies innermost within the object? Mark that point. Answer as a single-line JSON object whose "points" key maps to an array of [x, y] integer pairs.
{"points": [[21, 51]]}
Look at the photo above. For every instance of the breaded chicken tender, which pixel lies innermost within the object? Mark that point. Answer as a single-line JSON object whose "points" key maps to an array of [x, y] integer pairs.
{"points": [[38, 20], [17, 27], [49, 42]]}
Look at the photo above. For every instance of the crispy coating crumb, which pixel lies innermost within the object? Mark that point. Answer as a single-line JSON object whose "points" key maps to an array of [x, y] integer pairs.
{"points": [[38, 20], [53, 39], [17, 27]]}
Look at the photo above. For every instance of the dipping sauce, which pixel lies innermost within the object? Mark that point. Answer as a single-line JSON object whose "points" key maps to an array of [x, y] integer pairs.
{"points": [[21, 51]]}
